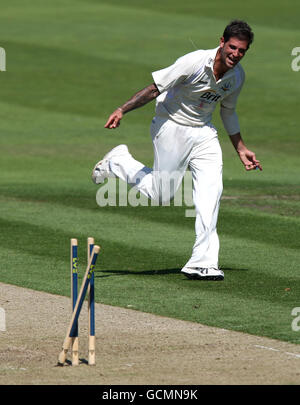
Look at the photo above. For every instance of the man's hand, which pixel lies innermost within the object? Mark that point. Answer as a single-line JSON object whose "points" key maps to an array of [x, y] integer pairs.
{"points": [[249, 160], [247, 157], [114, 119]]}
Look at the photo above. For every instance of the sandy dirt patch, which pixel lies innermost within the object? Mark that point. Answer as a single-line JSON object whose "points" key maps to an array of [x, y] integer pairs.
{"points": [[132, 348]]}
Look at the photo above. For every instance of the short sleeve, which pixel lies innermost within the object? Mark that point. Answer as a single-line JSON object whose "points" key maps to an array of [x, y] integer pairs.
{"points": [[171, 76]]}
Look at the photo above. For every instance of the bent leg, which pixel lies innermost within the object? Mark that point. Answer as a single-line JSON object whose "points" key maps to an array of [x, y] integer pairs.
{"points": [[171, 147]]}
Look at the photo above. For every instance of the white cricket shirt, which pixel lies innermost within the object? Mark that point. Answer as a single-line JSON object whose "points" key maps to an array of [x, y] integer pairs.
{"points": [[190, 92]]}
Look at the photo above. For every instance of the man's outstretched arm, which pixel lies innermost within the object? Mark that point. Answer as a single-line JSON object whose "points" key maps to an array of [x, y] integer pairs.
{"points": [[141, 98]]}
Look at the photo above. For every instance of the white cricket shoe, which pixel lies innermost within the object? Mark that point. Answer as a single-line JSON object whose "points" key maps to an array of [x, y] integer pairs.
{"points": [[199, 273], [102, 170]]}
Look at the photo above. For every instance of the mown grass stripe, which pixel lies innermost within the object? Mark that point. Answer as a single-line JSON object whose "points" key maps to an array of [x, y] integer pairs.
{"points": [[279, 18], [241, 223], [57, 235]]}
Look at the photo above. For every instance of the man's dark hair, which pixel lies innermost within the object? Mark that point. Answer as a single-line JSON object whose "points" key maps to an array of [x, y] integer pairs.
{"points": [[238, 29]]}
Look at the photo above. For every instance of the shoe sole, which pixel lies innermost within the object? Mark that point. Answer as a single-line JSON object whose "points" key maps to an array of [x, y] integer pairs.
{"points": [[103, 180], [97, 164], [106, 157], [203, 278]]}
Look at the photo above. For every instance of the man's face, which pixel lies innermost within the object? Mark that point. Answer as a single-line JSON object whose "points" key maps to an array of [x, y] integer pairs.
{"points": [[232, 51]]}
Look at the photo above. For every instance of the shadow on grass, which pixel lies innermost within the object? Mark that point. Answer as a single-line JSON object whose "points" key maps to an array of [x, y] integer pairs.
{"points": [[233, 269], [135, 272], [109, 273]]}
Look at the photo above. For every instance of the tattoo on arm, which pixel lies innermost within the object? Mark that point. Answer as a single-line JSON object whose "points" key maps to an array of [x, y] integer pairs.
{"points": [[141, 98]]}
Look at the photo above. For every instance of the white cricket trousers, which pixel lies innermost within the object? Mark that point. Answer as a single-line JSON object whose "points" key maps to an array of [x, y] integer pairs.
{"points": [[176, 148]]}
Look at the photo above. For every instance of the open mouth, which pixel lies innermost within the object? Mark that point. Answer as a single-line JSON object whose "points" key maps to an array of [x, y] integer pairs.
{"points": [[231, 61]]}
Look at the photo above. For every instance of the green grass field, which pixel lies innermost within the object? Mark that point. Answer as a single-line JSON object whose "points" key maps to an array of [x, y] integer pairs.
{"points": [[69, 64]]}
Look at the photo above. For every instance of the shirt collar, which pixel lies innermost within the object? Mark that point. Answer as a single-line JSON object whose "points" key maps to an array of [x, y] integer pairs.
{"points": [[211, 57]]}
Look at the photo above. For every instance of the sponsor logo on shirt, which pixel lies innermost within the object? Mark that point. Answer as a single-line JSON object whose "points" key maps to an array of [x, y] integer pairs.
{"points": [[210, 96]]}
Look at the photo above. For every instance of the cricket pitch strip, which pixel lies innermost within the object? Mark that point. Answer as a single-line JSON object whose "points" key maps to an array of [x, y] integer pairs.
{"points": [[133, 348]]}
